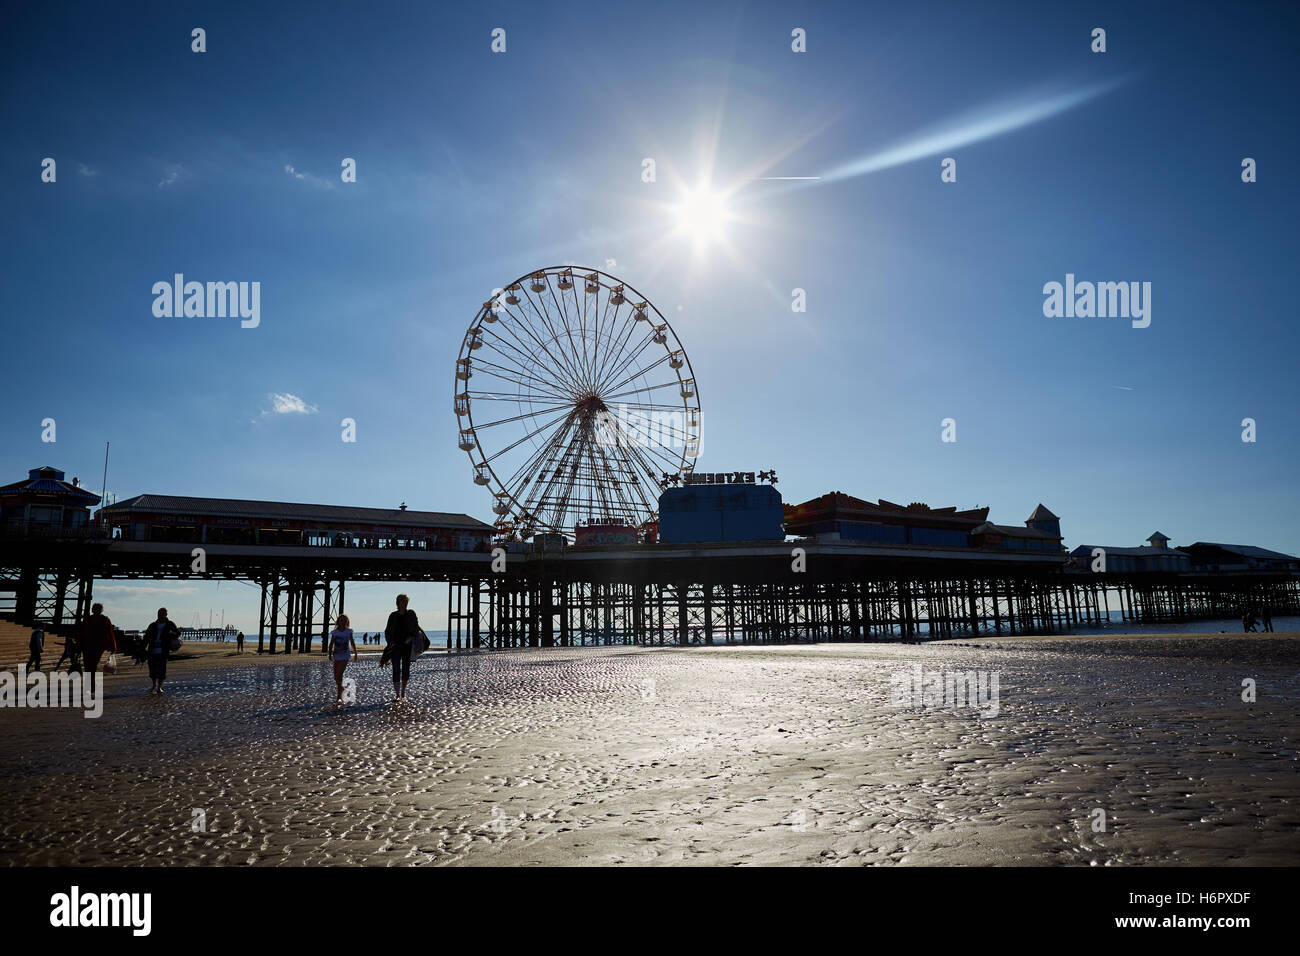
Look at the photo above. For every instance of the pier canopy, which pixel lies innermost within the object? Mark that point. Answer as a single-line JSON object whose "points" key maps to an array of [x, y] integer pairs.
{"points": [[45, 505], [236, 521], [1209, 556], [838, 516]]}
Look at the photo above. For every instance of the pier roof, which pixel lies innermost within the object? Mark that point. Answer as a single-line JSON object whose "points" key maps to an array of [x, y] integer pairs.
{"points": [[239, 508], [1013, 531], [1085, 550], [1246, 550], [49, 481]]}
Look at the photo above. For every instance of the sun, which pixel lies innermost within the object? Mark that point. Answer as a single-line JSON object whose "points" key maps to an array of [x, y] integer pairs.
{"points": [[702, 215]]}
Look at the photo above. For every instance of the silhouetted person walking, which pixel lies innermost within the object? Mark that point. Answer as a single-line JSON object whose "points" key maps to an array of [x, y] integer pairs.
{"points": [[71, 653], [96, 638], [403, 629], [158, 640], [35, 647]]}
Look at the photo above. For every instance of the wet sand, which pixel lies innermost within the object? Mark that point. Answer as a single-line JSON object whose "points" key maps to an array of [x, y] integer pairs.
{"points": [[739, 755]]}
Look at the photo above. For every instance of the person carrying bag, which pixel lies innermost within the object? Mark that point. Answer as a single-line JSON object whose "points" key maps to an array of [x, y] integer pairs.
{"points": [[160, 638], [402, 635]]}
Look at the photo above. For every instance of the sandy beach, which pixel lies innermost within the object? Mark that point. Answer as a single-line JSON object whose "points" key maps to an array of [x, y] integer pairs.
{"points": [[719, 756]]}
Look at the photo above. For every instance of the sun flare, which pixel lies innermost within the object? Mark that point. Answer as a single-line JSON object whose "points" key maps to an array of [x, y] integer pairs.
{"points": [[701, 215]]}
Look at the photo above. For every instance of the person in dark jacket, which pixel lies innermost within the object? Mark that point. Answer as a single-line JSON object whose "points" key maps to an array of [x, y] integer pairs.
{"points": [[71, 654], [35, 647], [96, 638], [403, 628], [158, 639]]}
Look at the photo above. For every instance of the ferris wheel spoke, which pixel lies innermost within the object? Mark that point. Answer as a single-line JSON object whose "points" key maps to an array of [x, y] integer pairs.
{"points": [[602, 315], [541, 455], [574, 373], [632, 435], [631, 480], [627, 360], [561, 305], [646, 389], [543, 316], [529, 360], [527, 327], [665, 461], [508, 374], [641, 374], [519, 418], [515, 444], [651, 407], [618, 336], [546, 497], [514, 397], [587, 318]]}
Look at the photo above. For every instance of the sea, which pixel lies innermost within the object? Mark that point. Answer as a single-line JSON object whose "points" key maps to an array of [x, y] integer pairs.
{"points": [[1116, 625]]}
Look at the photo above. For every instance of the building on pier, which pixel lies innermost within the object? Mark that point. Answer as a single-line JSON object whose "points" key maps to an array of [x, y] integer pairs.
{"points": [[45, 505], [735, 511], [1208, 556], [1042, 532], [1154, 556], [172, 518], [839, 517]]}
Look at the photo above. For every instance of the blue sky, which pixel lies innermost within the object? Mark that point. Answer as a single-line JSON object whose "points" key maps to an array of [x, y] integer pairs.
{"points": [[924, 299]]}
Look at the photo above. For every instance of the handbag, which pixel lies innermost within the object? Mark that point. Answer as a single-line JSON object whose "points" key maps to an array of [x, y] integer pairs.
{"points": [[110, 665]]}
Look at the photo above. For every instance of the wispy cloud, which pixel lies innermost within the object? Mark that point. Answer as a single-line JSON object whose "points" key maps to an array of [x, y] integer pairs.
{"points": [[975, 125], [85, 170], [610, 263], [172, 173], [286, 403], [308, 178], [144, 589]]}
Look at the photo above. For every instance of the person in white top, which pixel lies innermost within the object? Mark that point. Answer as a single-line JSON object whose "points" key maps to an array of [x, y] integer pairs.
{"points": [[342, 649]]}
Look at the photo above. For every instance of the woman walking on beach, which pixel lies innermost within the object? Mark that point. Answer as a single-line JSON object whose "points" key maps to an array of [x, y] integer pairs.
{"points": [[158, 639], [342, 649], [403, 628], [96, 638]]}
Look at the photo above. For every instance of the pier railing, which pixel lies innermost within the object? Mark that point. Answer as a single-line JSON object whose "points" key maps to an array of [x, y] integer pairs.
{"points": [[28, 529]]}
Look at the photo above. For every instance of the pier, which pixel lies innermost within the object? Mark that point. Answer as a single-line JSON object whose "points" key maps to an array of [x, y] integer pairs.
{"points": [[653, 594]]}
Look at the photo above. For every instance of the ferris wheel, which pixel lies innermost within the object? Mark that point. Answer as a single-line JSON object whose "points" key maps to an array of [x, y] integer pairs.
{"points": [[575, 401]]}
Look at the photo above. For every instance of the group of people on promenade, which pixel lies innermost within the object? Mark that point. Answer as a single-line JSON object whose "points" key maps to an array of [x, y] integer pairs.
{"points": [[405, 641], [98, 637], [1252, 616]]}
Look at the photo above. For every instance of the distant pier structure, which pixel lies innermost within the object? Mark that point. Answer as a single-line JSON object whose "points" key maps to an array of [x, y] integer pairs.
{"points": [[858, 570]]}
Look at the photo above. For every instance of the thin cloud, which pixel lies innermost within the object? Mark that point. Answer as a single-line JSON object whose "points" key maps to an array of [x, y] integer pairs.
{"points": [[286, 403], [975, 125], [170, 175], [308, 178], [143, 589], [85, 170]]}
